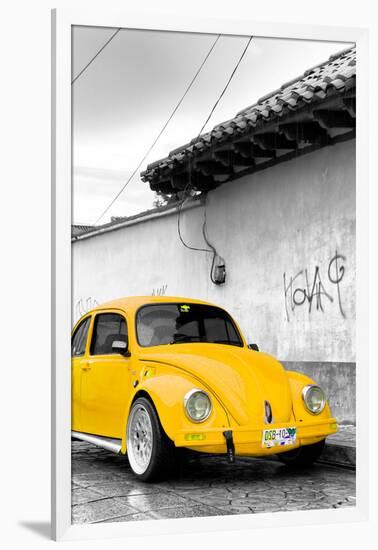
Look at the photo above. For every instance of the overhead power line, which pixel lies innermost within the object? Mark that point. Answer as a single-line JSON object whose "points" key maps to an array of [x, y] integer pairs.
{"points": [[160, 133], [97, 54], [226, 86], [189, 184]]}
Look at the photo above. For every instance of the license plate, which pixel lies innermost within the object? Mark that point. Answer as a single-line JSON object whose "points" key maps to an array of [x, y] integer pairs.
{"points": [[279, 437]]}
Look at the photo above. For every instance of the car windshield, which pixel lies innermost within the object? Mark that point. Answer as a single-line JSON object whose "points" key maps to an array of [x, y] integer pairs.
{"points": [[171, 323]]}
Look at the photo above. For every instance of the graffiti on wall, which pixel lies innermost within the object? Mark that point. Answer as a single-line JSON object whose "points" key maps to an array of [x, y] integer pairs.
{"points": [[315, 289], [83, 305], [159, 291]]}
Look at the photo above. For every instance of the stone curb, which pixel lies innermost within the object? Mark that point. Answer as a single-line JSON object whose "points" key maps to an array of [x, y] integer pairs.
{"points": [[342, 453]]}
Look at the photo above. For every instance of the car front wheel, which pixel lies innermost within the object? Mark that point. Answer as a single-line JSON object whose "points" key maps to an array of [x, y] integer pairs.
{"points": [[150, 452], [303, 456]]}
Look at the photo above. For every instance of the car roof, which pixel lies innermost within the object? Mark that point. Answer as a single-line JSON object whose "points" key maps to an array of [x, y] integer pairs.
{"points": [[135, 302]]}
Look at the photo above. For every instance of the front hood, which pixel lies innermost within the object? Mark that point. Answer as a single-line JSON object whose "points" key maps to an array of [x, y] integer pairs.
{"points": [[240, 378]]}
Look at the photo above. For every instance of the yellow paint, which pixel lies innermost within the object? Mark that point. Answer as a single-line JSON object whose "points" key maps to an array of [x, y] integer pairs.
{"points": [[237, 379]]}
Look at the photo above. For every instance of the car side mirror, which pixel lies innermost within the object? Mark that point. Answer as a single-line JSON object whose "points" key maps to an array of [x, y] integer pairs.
{"points": [[118, 346], [255, 347]]}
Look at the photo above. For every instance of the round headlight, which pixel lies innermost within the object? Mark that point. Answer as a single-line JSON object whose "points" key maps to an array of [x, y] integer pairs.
{"points": [[197, 405], [314, 399]]}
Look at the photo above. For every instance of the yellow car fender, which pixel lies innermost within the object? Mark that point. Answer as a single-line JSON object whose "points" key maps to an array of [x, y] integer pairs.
{"points": [[167, 389], [297, 382]]}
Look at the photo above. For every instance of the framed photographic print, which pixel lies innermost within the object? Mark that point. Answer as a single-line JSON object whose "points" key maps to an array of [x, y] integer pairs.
{"points": [[209, 252]]}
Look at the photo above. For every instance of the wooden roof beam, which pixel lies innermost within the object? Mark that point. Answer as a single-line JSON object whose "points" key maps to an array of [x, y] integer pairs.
{"points": [[210, 167], [308, 132], [271, 141], [350, 105], [248, 149], [179, 181], [334, 119], [231, 159], [241, 161], [223, 157], [163, 186], [201, 182]]}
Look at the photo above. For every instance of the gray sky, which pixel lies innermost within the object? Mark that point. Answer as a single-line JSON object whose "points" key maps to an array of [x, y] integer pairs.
{"points": [[123, 99]]}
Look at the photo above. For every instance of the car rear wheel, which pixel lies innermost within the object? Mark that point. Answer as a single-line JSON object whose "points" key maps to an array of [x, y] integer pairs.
{"points": [[150, 452], [302, 456]]}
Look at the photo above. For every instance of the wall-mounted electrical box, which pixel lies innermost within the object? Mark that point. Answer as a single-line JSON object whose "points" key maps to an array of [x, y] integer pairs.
{"points": [[219, 271]]}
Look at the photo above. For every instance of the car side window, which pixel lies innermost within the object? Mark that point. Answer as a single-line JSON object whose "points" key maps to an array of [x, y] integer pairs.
{"points": [[218, 328], [108, 328], [79, 338]]}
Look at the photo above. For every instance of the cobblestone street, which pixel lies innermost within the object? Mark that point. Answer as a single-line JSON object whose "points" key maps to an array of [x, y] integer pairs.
{"points": [[105, 490]]}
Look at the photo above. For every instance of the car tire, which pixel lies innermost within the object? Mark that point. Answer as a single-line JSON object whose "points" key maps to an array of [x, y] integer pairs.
{"points": [[302, 456], [150, 452]]}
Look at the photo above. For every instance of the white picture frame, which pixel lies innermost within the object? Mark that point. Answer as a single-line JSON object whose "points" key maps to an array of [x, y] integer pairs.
{"points": [[62, 21]]}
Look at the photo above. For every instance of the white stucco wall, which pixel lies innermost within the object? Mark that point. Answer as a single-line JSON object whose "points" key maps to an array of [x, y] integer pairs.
{"points": [[291, 219]]}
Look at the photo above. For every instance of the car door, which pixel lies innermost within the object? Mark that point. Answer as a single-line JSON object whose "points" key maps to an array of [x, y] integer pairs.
{"points": [[105, 385], [78, 363]]}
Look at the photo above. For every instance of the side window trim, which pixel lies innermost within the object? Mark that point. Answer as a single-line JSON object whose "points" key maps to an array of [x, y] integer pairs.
{"points": [[86, 323]]}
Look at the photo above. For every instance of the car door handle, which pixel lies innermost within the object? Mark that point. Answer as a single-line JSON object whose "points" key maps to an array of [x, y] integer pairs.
{"points": [[86, 366]]}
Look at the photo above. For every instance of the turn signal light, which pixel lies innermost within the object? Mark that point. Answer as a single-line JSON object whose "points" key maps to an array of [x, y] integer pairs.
{"points": [[195, 437]]}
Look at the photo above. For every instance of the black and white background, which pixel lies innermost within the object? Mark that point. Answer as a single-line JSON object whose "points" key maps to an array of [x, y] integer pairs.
{"points": [[25, 243], [284, 222]]}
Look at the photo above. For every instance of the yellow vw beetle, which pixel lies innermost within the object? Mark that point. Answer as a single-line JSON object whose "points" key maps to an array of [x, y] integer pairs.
{"points": [[153, 374]]}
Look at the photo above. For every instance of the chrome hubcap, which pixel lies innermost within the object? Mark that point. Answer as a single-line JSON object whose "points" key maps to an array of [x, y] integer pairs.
{"points": [[139, 439]]}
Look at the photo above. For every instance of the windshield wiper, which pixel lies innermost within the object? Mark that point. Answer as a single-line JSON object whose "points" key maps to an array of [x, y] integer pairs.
{"points": [[182, 338], [229, 342]]}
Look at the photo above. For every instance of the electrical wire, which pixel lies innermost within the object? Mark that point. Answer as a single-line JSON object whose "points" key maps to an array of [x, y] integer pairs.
{"points": [[161, 131], [179, 219], [228, 82], [205, 238], [189, 184], [94, 57], [211, 248]]}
